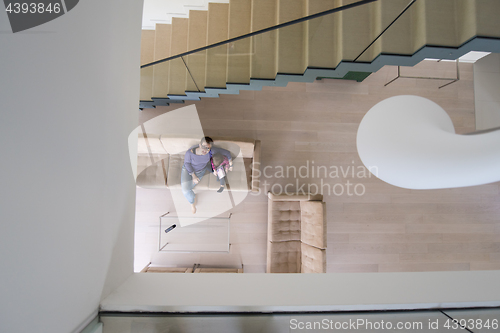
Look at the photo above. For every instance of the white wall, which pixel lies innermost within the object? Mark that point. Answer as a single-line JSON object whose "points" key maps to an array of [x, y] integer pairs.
{"points": [[162, 11], [68, 97], [486, 87], [304, 292]]}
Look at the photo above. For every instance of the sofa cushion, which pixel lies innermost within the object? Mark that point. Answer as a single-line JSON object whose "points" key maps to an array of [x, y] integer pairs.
{"points": [[283, 257], [154, 144], [152, 175], [237, 178], [146, 160], [178, 145], [312, 223], [287, 205], [313, 260], [235, 146], [284, 221], [174, 171]]}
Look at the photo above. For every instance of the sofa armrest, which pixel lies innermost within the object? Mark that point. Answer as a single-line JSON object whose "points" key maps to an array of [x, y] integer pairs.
{"points": [[269, 257], [313, 260], [256, 167], [313, 223]]}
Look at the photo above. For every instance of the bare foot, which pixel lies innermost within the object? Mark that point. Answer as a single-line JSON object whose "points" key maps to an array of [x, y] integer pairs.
{"points": [[193, 208]]}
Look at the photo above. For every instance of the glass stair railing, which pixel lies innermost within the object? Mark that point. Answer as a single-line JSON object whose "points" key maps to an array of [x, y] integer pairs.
{"points": [[248, 44]]}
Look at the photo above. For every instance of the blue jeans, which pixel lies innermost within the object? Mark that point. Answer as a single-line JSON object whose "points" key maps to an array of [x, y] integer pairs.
{"points": [[187, 183]]}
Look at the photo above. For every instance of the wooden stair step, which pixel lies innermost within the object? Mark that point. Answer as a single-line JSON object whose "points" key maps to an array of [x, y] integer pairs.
{"points": [[177, 70], [217, 31], [147, 46], [264, 46], [440, 23], [417, 13], [147, 56], [319, 43], [239, 23], [162, 51], [292, 40], [360, 26], [487, 13], [324, 34], [467, 16], [197, 37], [403, 36]]}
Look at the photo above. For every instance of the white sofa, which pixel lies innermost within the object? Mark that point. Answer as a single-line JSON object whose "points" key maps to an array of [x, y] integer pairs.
{"points": [[160, 160]]}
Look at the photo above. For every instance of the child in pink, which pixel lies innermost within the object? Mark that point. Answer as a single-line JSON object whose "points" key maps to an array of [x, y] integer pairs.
{"points": [[220, 166]]}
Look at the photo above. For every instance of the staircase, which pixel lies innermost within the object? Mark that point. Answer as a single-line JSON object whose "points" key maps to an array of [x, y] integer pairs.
{"points": [[327, 46]]}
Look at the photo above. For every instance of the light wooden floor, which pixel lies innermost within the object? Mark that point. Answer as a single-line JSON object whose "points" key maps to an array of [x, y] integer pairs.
{"points": [[387, 229]]}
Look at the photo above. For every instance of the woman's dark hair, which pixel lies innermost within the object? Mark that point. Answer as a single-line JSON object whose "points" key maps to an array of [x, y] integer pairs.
{"points": [[207, 139], [217, 158]]}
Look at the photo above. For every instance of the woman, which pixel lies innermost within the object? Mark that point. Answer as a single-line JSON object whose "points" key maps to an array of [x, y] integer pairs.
{"points": [[196, 163]]}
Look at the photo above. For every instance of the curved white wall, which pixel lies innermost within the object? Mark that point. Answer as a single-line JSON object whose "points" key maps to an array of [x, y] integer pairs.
{"points": [[410, 142], [69, 91]]}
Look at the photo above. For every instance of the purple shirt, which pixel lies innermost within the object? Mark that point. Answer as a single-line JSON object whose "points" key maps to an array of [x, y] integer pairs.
{"points": [[196, 163]]}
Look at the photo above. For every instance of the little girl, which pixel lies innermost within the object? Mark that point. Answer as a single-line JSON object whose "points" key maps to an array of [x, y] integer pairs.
{"points": [[220, 166]]}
